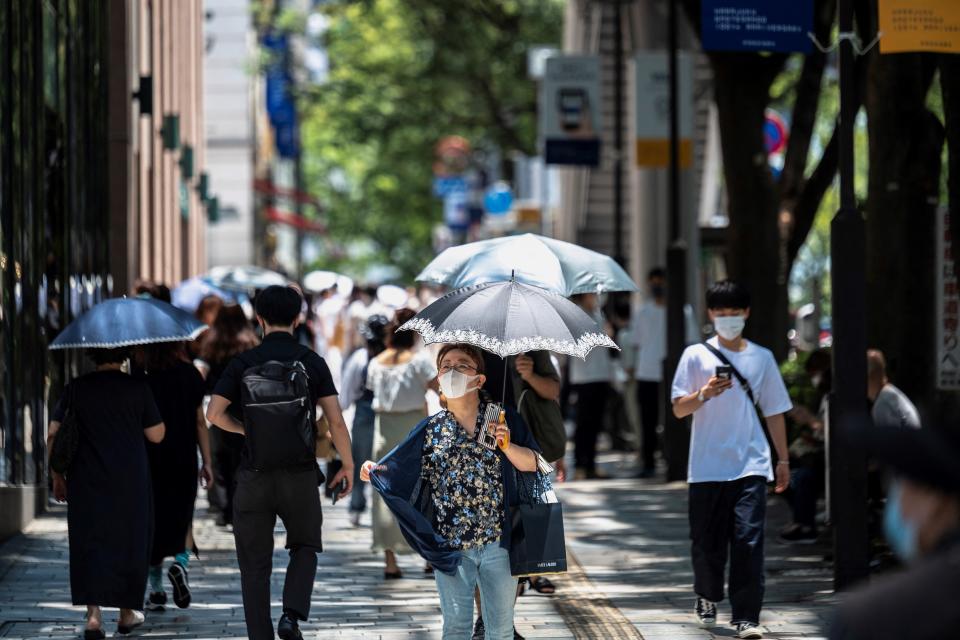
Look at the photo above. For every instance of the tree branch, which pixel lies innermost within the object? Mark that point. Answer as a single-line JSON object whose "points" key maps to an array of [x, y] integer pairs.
{"points": [[804, 117], [808, 202]]}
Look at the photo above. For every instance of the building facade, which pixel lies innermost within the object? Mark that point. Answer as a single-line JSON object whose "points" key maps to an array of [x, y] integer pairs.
{"points": [[96, 191], [230, 50]]}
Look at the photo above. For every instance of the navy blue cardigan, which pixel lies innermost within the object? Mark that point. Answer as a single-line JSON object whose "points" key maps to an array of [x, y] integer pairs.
{"points": [[408, 496]]}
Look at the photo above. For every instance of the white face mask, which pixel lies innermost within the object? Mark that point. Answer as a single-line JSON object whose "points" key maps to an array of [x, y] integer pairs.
{"points": [[456, 385], [729, 327]]}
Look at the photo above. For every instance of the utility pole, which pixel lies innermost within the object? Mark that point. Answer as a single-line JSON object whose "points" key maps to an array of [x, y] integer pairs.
{"points": [[676, 431], [848, 406], [618, 134]]}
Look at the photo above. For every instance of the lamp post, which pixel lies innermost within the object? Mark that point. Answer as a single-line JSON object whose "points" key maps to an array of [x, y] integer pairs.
{"points": [[848, 406], [676, 431]]}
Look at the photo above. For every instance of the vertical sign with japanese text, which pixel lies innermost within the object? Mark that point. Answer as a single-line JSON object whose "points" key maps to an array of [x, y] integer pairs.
{"points": [[570, 110], [948, 307], [652, 109], [756, 25], [919, 25]]}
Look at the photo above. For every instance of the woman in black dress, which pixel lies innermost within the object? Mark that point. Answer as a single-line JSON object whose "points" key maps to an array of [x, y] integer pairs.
{"points": [[178, 389], [107, 489]]}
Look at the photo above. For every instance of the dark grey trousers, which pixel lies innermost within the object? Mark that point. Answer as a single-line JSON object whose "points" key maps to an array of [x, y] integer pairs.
{"points": [[260, 497], [729, 517]]}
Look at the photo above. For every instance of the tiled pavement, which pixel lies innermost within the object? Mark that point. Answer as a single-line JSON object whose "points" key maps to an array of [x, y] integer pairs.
{"points": [[630, 578]]}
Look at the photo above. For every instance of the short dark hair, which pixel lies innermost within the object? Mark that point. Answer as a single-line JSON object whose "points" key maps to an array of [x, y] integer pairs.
{"points": [[401, 339], [278, 305], [656, 272], [472, 352], [162, 356], [727, 294], [108, 356]]}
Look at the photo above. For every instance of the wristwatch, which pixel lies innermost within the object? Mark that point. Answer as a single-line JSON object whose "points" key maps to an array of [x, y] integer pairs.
{"points": [[702, 398]]}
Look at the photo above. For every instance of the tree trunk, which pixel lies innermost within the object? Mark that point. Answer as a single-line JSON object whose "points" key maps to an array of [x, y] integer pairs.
{"points": [[906, 140], [742, 89]]}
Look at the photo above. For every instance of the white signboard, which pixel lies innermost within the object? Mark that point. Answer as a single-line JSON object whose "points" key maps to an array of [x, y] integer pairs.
{"points": [[652, 108], [570, 110], [948, 308]]}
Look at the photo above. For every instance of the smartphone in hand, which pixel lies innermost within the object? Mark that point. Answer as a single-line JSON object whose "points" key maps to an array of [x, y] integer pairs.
{"points": [[338, 489], [724, 372]]}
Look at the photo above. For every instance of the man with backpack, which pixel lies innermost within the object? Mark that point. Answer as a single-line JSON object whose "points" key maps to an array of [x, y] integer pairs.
{"points": [[726, 383], [270, 394]]}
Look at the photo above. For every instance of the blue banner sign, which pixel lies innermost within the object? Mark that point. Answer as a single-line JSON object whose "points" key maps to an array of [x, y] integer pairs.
{"points": [[757, 25], [445, 185]]}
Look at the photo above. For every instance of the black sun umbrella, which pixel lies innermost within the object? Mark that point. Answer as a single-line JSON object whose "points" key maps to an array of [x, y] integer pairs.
{"points": [[507, 318]]}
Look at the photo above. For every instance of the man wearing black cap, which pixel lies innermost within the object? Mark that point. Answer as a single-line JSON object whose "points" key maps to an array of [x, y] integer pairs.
{"points": [[922, 524]]}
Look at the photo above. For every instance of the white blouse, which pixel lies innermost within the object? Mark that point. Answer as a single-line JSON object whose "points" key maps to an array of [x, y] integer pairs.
{"points": [[400, 387]]}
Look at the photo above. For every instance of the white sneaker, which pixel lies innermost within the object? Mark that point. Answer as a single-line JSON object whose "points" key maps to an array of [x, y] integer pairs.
{"points": [[706, 611], [749, 630]]}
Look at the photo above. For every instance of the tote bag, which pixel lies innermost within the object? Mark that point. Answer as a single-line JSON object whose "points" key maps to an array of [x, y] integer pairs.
{"points": [[537, 542]]}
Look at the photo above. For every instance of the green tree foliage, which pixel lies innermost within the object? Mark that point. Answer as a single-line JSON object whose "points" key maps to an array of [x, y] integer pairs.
{"points": [[404, 74]]}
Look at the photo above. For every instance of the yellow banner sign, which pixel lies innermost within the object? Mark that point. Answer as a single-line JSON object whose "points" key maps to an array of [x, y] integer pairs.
{"points": [[919, 25]]}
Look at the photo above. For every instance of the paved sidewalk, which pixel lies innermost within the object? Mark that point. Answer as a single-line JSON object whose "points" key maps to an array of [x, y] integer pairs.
{"points": [[631, 539], [630, 578]]}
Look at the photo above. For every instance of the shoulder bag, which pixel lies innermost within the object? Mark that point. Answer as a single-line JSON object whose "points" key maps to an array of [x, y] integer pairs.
{"points": [[542, 415]]}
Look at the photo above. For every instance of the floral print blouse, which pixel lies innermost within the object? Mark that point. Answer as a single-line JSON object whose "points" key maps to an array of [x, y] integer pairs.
{"points": [[465, 482]]}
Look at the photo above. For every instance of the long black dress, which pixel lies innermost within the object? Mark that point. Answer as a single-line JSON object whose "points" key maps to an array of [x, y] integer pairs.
{"points": [[178, 392], [109, 503]]}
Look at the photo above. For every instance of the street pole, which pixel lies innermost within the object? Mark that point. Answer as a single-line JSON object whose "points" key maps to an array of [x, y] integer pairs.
{"points": [[848, 406], [298, 198], [676, 431], [618, 134]]}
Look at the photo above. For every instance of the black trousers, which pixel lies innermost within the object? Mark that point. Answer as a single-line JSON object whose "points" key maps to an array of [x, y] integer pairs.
{"points": [[591, 406], [260, 497], [729, 516], [648, 399], [225, 450]]}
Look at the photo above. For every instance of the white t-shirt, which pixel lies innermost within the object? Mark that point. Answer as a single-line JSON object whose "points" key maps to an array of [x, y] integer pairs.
{"points": [[649, 339], [597, 367], [727, 440]]}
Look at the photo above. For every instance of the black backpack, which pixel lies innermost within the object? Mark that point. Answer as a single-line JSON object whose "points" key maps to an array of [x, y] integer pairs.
{"points": [[278, 415]]}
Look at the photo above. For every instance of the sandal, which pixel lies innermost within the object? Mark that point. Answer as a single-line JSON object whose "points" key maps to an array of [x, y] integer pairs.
{"points": [[542, 585], [125, 629], [392, 575]]}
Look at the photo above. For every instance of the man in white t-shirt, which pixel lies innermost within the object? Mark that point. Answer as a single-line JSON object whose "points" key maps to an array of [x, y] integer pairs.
{"points": [[730, 458], [648, 339]]}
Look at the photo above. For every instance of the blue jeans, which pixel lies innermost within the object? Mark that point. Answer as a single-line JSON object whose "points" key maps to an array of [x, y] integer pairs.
{"points": [[361, 446], [488, 566]]}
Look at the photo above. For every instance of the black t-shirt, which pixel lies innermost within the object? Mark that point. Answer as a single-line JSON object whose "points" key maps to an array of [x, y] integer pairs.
{"points": [[280, 347]]}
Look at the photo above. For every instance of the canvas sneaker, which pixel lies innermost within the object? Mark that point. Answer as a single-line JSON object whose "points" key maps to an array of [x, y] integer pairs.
{"points": [[749, 630], [706, 611]]}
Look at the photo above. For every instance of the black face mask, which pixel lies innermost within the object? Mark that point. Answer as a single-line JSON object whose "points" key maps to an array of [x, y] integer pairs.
{"points": [[657, 290]]}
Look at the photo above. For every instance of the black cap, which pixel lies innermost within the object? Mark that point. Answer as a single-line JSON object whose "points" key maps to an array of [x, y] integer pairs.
{"points": [[928, 456]]}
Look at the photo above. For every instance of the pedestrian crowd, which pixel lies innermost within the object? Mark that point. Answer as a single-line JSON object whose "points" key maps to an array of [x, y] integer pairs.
{"points": [[248, 409]]}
